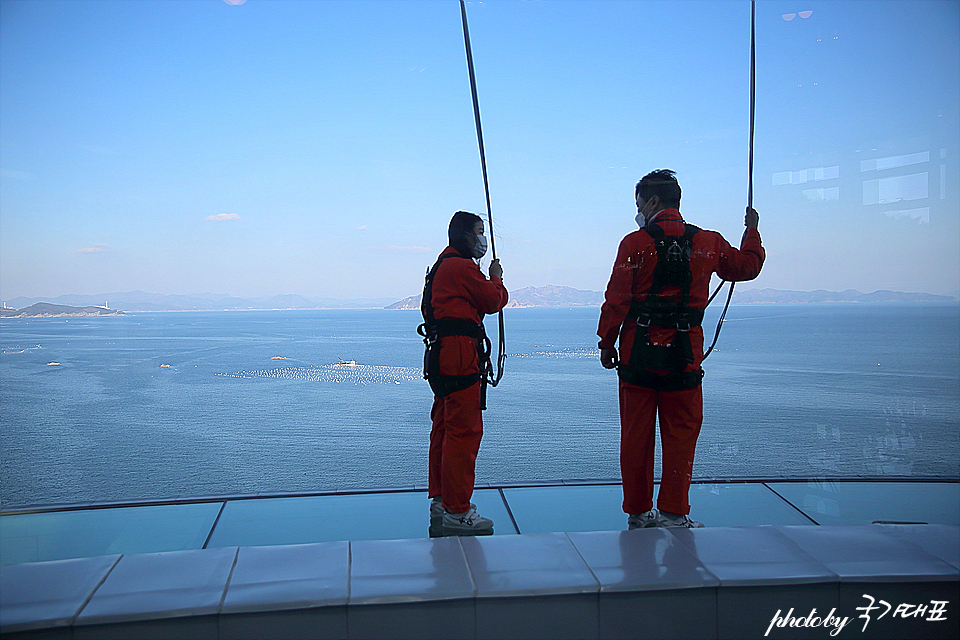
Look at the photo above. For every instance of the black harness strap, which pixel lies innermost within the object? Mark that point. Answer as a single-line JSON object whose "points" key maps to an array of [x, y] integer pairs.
{"points": [[672, 270], [678, 381], [454, 327], [433, 329]]}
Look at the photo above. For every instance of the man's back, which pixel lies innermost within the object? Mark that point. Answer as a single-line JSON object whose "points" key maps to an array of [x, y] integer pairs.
{"points": [[633, 276]]}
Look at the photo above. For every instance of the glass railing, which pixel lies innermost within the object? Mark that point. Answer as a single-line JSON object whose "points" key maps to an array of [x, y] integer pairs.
{"points": [[856, 179]]}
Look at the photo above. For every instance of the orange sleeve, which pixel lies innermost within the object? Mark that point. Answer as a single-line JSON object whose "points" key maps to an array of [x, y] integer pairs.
{"points": [[618, 296], [460, 290], [489, 296], [743, 264]]}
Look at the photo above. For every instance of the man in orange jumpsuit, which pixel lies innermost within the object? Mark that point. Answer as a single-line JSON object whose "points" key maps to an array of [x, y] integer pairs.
{"points": [[455, 299], [654, 304]]}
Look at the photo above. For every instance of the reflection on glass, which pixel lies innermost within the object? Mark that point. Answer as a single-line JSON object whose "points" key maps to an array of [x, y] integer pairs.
{"points": [[177, 170], [831, 503]]}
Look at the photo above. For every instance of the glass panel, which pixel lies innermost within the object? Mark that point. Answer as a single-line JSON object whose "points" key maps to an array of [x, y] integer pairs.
{"points": [[865, 502], [490, 505], [856, 176], [548, 509], [598, 508], [740, 505], [379, 516], [36, 537], [272, 521]]}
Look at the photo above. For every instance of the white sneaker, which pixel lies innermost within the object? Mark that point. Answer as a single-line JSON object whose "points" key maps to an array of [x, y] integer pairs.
{"points": [[644, 520], [468, 523], [436, 508], [683, 522]]}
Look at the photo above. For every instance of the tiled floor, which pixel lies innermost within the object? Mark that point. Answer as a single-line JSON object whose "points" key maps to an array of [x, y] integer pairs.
{"points": [[719, 582], [560, 565]]}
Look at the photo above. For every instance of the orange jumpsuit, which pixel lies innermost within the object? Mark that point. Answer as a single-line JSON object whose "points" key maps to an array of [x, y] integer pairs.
{"points": [[460, 291], [680, 412]]}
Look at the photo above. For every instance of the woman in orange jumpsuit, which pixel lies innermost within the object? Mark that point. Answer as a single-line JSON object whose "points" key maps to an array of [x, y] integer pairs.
{"points": [[456, 298]]}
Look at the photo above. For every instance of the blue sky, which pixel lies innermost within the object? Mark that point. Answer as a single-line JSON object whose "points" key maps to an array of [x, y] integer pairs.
{"points": [[320, 147]]}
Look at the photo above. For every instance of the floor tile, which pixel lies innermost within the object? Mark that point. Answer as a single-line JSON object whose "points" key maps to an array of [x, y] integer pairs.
{"points": [[49, 594], [388, 571], [940, 540], [289, 577], [536, 564], [161, 585], [868, 553], [754, 556], [641, 560]]}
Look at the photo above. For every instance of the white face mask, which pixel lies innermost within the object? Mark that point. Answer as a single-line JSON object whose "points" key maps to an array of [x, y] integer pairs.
{"points": [[641, 219], [480, 249]]}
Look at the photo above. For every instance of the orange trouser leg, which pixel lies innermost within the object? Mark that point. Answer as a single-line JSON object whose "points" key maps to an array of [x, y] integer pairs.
{"points": [[638, 419], [454, 443], [681, 415]]}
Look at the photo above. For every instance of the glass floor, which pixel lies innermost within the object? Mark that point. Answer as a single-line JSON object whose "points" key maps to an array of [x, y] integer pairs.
{"points": [[40, 534]]}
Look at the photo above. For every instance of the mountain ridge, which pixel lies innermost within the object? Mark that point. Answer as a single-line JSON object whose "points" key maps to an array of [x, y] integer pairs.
{"points": [[143, 301], [47, 310], [545, 296], [559, 296]]}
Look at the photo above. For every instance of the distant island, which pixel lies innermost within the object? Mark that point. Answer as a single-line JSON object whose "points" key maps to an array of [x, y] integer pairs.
{"points": [[555, 296], [779, 296], [136, 301], [47, 310], [547, 296]]}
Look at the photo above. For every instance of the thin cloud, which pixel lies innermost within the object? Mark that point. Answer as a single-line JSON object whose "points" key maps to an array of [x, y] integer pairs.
{"points": [[361, 227], [220, 217], [93, 248]]}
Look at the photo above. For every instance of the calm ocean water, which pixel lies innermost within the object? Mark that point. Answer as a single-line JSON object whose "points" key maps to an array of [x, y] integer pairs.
{"points": [[792, 390]]}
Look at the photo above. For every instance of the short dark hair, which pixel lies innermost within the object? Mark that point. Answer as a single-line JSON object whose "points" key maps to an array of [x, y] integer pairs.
{"points": [[461, 224], [663, 184]]}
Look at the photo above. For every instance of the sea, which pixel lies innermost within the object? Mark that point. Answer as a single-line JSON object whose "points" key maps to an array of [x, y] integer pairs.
{"points": [[162, 405]]}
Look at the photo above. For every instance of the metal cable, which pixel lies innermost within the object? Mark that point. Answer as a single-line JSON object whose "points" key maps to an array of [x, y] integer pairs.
{"points": [[494, 378], [753, 102]]}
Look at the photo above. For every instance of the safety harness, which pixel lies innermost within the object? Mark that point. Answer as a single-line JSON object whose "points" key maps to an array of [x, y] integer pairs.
{"points": [[672, 270], [433, 329]]}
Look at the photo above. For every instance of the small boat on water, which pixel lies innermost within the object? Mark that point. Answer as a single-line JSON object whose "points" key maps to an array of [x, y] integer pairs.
{"points": [[345, 363], [53, 364], [279, 358], [164, 366]]}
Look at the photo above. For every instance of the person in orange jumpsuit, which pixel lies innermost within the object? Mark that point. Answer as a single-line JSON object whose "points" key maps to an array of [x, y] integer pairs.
{"points": [[656, 314], [456, 297]]}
